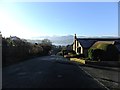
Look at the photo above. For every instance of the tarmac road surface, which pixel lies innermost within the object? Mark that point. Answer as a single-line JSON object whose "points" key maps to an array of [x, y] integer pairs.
{"points": [[47, 72]]}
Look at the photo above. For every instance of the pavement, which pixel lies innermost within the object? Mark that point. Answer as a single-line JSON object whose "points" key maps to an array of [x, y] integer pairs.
{"points": [[109, 76], [47, 72]]}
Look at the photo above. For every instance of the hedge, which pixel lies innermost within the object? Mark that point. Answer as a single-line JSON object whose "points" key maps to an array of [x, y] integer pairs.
{"points": [[104, 52]]}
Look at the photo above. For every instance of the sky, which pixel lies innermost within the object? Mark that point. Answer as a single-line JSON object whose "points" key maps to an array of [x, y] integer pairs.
{"points": [[33, 19]]}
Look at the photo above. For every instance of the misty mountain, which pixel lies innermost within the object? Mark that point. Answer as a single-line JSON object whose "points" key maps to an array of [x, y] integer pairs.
{"points": [[61, 40], [34, 41], [56, 40]]}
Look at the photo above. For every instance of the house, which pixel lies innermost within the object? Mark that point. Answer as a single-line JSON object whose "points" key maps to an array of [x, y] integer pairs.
{"points": [[81, 45]]}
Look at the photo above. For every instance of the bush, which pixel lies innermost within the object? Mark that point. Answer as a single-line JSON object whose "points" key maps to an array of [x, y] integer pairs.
{"points": [[96, 54], [90, 53], [60, 53], [72, 52], [46, 49], [111, 53], [104, 52], [15, 50]]}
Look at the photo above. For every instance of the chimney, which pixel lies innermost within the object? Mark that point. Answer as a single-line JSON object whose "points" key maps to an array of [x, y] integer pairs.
{"points": [[75, 37]]}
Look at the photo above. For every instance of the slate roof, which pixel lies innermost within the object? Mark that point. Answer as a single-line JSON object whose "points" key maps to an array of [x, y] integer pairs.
{"points": [[88, 42], [117, 44], [118, 47]]}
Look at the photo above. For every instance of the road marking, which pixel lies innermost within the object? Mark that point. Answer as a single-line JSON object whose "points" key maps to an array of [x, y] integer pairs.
{"points": [[93, 77]]}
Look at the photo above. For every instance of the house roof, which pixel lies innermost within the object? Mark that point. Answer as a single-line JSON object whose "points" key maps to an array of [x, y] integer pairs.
{"points": [[88, 42], [100, 42], [117, 44], [118, 47]]}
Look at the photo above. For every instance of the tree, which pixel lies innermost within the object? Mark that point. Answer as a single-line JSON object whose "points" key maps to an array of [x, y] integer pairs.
{"points": [[46, 41], [46, 44], [55, 49]]}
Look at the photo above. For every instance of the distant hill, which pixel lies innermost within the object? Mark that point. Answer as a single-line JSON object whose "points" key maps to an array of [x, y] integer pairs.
{"points": [[34, 41], [56, 40], [61, 40]]}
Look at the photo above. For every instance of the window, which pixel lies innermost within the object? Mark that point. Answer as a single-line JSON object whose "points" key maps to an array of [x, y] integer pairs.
{"points": [[79, 49]]}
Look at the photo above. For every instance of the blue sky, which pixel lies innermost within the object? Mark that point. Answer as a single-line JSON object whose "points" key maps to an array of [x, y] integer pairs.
{"points": [[34, 19]]}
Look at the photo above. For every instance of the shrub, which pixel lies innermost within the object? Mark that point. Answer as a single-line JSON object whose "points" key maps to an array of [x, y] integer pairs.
{"points": [[15, 50], [72, 52], [64, 52], [60, 53], [90, 53], [104, 52], [111, 53]]}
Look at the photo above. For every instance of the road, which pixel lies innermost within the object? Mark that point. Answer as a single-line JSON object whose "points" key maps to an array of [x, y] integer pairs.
{"points": [[47, 72], [108, 76]]}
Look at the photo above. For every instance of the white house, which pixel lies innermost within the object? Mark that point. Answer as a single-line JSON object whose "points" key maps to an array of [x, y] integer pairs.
{"points": [[81, 45]]}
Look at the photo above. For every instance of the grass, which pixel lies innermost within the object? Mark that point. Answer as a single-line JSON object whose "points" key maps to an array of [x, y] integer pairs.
{"points": [[78, 60], [69, 55], [82, 61], [91, 62]]}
